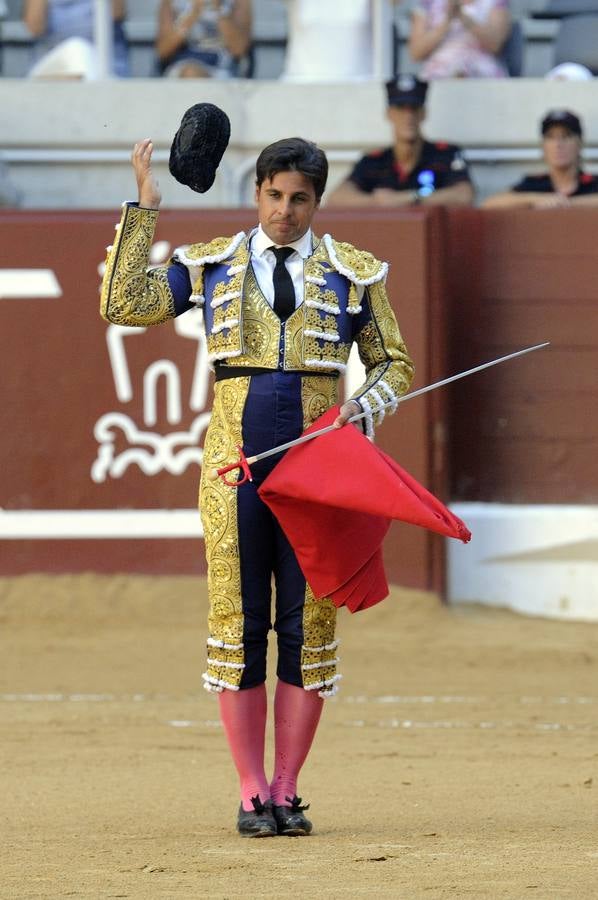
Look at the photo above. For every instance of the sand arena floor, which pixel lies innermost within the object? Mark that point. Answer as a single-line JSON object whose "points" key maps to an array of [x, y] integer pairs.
{"points": [[459, 760]]}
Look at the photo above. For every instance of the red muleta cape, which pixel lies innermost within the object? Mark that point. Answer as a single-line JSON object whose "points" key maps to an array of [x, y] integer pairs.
{"points": [[335, 497]]}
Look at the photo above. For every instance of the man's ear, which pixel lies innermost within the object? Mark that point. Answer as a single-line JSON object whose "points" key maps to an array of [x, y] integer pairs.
{"points": [[256, 195]]}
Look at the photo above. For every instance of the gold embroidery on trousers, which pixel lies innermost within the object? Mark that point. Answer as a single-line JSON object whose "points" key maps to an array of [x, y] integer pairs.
{"points": [[319, 652], [218, 506]]}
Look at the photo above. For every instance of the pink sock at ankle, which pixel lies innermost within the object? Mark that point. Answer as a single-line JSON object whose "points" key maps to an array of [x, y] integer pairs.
{"points": [[296, 716], [243, 715]]}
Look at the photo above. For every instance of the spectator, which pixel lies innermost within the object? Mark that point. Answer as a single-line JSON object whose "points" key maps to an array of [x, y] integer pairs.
{"points": [[328, 44], [460, 38], [413, 170], [202, 38], [64, 38], [565, 183], [330, 41]]}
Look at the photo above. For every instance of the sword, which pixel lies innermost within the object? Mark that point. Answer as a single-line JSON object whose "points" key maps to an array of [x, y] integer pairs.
{"points": [[244, 462]]}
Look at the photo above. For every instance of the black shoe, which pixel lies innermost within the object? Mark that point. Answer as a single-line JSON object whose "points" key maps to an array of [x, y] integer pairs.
{"points": [[258, 822], [290, 819]]}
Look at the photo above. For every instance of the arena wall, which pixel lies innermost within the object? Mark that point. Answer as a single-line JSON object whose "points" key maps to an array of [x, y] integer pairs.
{"points": [[103, 426], [90, 476], [524, 436]]}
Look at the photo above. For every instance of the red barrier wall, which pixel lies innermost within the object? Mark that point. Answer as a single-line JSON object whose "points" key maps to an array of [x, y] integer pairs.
{"points": [[59, 383], [525, 432]]}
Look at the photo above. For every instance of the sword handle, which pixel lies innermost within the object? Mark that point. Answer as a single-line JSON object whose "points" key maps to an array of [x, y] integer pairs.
{"points": [[242, 463]]}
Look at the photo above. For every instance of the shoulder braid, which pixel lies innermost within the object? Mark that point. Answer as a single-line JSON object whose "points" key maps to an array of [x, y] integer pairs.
{"points": [[215, 251], [359, 266]]}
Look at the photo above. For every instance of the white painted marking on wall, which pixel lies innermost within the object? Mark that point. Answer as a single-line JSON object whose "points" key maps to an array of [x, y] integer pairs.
{"points": [[166, 369], [28, 284], [115, 335], [150, 451], [191, 326], [99, 523]]}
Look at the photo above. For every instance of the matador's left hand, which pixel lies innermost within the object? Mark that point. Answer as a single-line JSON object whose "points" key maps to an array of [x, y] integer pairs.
{"points": [[348, 409]]}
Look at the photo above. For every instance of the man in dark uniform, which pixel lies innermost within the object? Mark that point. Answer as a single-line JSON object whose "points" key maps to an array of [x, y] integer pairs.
{"points": [[565, 183], [413, 170]]}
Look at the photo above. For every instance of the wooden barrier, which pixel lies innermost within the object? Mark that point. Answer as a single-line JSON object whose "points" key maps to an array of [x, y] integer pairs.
{"points": [[467, 285], [64, 387], [525, 432]]}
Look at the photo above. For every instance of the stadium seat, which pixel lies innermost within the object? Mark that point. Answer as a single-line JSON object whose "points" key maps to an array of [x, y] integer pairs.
{"points": [[577, 41], [561, 8], [512, 51]]}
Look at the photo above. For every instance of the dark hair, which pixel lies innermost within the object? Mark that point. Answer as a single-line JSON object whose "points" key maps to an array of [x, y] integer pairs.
{"points": [[293, 155]]}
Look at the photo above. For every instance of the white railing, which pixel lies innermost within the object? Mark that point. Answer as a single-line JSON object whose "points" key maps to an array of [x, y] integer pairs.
{"points": [[103, 37], [234, 178]]}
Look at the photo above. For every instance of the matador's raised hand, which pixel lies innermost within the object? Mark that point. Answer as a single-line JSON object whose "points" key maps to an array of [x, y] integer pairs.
{"points": [[150, 195]]}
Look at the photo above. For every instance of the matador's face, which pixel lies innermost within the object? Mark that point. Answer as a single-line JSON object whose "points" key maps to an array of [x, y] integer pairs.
{"points": [[286, 205]]}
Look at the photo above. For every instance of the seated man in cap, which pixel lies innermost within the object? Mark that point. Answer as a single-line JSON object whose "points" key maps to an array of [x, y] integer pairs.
{"points": [[565, 183], [413, 171], [281, 309]]}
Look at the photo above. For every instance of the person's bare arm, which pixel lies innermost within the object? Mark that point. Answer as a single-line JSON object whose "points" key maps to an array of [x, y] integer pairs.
{"points": [[423, 38], [562, 201], [119, 10], [459, 194], [528, 200], [236, 28], [492, 33], [584, 200], [510, 200], [35, 16], [172, 31], [348, 194]]}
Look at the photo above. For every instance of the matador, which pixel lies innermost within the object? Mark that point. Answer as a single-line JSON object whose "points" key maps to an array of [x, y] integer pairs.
{"points": [[282, 308]]}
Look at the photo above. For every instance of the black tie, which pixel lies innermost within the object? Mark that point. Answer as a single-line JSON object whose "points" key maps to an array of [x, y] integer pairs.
{"points": [[284, 291]]}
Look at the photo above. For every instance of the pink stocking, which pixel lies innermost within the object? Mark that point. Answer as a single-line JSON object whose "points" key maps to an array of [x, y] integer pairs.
{"points": [[243, 715], [296, 716]]}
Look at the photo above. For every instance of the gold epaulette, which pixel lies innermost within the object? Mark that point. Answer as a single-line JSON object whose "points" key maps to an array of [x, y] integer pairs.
{"points": [[215, 251], [359, 266]]}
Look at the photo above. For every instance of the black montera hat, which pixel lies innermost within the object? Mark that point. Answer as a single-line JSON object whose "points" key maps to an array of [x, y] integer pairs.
{"points": [[562, 117], [406, 90], [198, 146]]}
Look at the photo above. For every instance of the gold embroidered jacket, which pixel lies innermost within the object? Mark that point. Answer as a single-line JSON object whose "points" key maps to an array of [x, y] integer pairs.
{"points": [[344, 301]]}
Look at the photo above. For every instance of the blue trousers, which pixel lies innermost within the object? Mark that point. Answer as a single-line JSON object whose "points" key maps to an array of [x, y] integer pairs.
{"points": [[272, 415]]}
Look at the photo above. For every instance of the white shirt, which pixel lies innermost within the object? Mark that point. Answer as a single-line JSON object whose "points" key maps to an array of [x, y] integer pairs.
{"points": [[263, 262], [329, 41]]}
